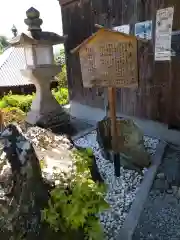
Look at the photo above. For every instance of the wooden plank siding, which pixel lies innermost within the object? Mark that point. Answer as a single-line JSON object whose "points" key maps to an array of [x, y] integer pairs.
{"points": [[157, 98]]}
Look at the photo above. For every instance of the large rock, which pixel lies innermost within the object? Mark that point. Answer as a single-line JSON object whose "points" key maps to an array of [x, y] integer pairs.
{"points": [[28, 193], [130, 142], [56, 152]]}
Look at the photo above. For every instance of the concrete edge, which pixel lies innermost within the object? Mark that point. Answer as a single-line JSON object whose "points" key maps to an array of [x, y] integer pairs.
{"points": [[83, 133], [151, 128], [132, 219]]}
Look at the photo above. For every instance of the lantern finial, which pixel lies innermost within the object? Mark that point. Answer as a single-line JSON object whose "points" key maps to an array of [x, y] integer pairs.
{"points": [[14, 30], [33, 20]]}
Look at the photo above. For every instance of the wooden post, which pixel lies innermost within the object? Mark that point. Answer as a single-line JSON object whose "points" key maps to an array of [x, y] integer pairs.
{"points": [[1, 121], [112, 116]]}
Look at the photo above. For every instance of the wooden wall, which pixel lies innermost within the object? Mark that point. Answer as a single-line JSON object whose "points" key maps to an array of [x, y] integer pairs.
{"points": [[157, 97]]}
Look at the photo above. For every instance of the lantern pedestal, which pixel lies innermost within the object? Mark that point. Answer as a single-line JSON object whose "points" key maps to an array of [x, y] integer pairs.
{"points": [[45, 110]]}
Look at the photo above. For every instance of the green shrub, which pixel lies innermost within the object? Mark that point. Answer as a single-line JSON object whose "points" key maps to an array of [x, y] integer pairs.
{"points": [[62, 77], [13, 115], [3, 104], [23, 102], [76, 201], [61, 95]]}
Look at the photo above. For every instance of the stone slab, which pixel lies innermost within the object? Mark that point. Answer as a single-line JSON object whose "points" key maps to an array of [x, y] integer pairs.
{"points": [[55, 157], [133, 216]]}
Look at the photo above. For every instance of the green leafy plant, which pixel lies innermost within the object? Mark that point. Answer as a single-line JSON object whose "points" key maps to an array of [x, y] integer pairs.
{"points": [[76, 201]]}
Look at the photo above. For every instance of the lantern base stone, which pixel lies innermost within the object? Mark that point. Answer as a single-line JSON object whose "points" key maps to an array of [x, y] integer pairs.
{"points": [[57, 117]]}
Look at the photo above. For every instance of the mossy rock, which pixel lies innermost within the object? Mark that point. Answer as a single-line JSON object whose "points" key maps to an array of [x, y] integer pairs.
{"points": [[130, 142]]}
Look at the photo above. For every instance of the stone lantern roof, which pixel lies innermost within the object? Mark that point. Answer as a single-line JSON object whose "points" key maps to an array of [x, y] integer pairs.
{"points": [[35, 35]]}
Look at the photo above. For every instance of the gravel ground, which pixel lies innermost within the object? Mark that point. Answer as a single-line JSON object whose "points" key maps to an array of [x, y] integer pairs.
{"points": [[121, 191], [160, 219]]}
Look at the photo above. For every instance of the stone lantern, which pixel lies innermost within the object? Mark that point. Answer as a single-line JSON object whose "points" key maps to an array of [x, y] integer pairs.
{"points": [[40, 68]]}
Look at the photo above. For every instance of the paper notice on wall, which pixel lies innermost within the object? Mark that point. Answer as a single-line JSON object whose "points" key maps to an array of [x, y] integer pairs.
{"points": [[164, 22], [122, 28], [144, 30]]}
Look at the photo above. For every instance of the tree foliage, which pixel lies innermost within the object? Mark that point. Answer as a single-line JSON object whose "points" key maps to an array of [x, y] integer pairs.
{"points": [[62, 76], [3, 43]]}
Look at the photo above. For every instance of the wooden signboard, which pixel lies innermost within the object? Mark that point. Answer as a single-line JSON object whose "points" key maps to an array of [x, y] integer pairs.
{"points": [[109, 59], [111, 64]]}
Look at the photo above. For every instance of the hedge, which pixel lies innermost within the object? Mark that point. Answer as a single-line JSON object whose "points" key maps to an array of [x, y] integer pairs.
{"points": [[23, 102]]}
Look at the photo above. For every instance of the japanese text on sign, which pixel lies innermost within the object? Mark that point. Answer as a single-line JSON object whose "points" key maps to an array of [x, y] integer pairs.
{"points": [[111, 64]]}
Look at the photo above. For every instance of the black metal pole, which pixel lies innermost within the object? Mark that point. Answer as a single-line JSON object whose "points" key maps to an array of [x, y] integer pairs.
{"points": [[117, 164]]}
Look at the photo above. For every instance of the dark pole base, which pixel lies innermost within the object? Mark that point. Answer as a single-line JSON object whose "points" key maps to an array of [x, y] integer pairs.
{"points": [[116, 159]]}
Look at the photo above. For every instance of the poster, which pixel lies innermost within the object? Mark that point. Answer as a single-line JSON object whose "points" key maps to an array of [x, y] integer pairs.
{"points": [[123, 29], [175, 43], [164, 22], [144, 30]]}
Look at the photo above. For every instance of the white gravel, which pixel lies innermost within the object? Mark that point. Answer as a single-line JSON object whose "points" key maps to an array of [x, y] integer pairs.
{"points": [[121, 191]]}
